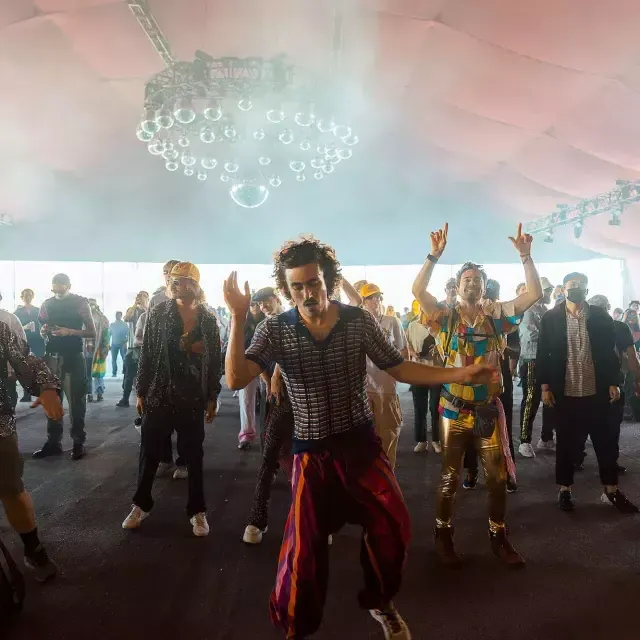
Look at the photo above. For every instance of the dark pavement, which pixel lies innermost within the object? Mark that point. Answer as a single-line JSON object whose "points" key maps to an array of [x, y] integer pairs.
{"points": [[582, 580]]}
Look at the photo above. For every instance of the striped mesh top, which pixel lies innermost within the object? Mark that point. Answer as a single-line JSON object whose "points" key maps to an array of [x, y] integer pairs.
{"points": [[327, 380]]}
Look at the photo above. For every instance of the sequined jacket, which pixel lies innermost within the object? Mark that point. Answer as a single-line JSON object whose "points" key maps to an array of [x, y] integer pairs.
{"points": [[154, 382], [32, 373]]}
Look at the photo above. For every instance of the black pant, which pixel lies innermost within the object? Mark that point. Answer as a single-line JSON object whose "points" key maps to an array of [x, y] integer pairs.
{"points": [[72, 372], [471, 455], [115, 350], [531, 396], [130, 372], [156, 430], [425, 402], [615, 416], [575, 419]]}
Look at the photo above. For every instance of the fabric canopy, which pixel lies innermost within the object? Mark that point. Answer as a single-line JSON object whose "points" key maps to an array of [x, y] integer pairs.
{"points": [[485, 112]]}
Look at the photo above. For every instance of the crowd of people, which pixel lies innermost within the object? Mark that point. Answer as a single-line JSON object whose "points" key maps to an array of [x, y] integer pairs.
{"points": [[317, 382]]}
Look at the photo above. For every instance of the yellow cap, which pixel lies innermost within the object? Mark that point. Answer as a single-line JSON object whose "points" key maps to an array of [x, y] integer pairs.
{"points": [[186, 270], [369, 289]]}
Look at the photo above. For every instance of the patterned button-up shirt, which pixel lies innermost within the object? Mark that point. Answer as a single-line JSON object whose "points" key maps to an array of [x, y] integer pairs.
{"points": [[32, 373], [164, 380], [327, 380], [461, 344], [580, 376]]}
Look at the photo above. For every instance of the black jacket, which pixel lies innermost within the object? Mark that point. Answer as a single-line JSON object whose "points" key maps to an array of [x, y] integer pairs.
{"points": [[155, 375], [551, 359]]}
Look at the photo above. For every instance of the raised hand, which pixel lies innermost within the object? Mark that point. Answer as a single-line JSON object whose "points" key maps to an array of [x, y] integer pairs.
{"points": [[439, 240], [522, 242], [237, 301]]}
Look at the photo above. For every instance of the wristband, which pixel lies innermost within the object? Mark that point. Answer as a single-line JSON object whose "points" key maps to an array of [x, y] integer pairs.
{"points": [[433, 259]]}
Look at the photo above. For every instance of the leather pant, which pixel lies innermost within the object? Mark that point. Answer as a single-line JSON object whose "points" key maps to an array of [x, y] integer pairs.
{"points": [[455, 437]]}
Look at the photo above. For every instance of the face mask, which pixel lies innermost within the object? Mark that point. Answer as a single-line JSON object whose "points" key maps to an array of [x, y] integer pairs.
{"points": [[576, 295]]}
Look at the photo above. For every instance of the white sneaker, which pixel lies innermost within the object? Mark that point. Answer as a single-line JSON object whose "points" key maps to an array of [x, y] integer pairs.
{"points": [[253, 535], [394, 627], [436, 447], [549, 445], [164, 469], [180, 473], [135, 518], [526, 450], [200, 525], [420, 447]]}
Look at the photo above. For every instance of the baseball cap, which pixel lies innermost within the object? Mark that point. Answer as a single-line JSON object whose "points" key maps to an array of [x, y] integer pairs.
{"points": [[545, 283], [263, 294], [574, 275], [186, 270], [61, 278], [369, 290], [599, 301]]}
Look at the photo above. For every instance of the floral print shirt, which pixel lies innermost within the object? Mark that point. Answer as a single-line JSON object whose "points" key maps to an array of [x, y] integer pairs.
{"points": [[31, 372]]}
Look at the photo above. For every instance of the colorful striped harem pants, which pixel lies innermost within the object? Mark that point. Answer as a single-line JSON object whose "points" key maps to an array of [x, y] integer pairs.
{"points": [[355, 485]]}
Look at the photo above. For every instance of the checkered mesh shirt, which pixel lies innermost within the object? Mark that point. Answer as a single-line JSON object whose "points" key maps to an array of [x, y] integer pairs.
{"points": [[327, 380], [580, 375]]}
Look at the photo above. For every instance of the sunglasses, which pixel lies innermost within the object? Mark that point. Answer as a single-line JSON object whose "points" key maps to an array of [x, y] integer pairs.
{"points": [[377, 297]]}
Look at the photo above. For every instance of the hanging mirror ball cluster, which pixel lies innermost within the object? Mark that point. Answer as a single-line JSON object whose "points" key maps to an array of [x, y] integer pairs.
{"points": [[249, 149]]}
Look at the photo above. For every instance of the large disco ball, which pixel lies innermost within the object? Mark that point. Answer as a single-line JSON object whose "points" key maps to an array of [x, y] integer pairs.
{"points": [[249, 194]]}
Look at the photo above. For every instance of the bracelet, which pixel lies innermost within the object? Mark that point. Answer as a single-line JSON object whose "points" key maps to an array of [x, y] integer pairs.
{"points": [[433, 259], [525, 255]]}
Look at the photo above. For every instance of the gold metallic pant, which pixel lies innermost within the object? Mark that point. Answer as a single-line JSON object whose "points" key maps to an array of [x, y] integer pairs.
{"points": [[455, 437]]}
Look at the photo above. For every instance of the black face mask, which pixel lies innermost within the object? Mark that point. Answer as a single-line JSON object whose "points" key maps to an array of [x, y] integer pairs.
{"points": [[576, 295]]}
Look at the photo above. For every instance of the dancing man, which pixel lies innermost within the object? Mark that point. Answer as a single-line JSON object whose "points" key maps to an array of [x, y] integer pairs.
{"points": [[178, 386], [474, 331], [341, 473]]}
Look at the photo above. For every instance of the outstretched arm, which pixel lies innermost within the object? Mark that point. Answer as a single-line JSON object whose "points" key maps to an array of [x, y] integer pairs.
{"points": [[522, 242], [419, 374], [427, 301]]}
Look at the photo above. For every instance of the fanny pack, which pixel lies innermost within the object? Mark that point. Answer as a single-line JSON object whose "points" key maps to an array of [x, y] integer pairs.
{"points": [[485, 416]]}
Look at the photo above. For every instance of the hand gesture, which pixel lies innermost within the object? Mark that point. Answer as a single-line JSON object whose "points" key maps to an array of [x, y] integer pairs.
{"points": [[140, 405], [212, 410], [276, 388], [61, 332], [49, 400], [439, 240], [237, 301], [480, 374], [614, 393], [522, 242], [547, 399]]}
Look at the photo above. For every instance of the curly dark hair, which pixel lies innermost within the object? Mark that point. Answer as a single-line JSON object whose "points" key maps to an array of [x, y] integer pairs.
{"points": [[471, 265], [307, 250]]}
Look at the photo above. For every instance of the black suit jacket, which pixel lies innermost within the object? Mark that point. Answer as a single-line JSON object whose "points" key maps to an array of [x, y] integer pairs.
{"points": [[551, 359]]}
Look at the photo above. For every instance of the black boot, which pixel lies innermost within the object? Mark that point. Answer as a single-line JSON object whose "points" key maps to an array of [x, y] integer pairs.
{"points": [[48, 449], [504, 550], [445, 548]]}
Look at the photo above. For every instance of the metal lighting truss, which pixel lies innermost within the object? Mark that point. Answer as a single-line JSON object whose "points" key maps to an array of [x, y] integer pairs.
{"points": [[625, 193]]}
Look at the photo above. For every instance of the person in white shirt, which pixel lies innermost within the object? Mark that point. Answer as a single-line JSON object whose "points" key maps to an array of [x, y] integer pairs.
{"points": [[422, 348], [11, 320], [381, 387]]}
